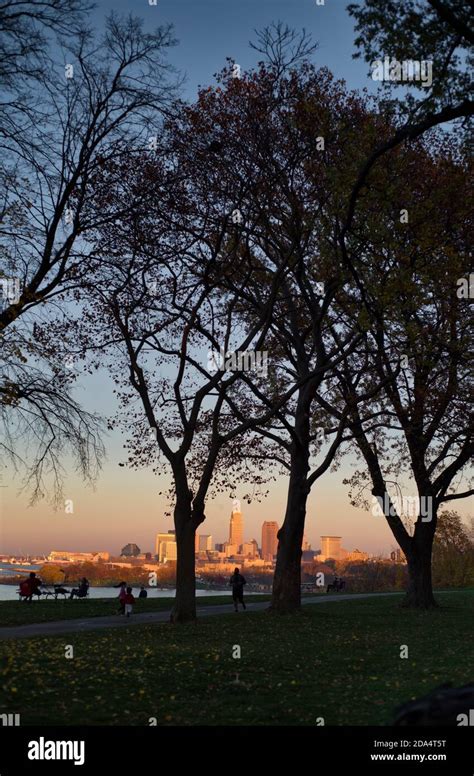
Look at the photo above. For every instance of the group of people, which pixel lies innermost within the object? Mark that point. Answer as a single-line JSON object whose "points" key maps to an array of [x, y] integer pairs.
{"points": [[127, 599], [32, 586]]}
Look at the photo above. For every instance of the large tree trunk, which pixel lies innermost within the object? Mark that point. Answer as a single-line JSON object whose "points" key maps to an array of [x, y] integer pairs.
{"points": [[286, 593], [184, 609], [420, 586], [417, 548]]}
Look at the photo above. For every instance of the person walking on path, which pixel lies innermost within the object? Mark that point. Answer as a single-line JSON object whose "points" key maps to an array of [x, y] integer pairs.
{"points": [[238, 581], [129, 601]]}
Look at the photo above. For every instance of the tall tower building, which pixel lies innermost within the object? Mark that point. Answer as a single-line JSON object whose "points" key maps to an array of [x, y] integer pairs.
{"points": [[331, 547], [236, 527], [269, 539]]}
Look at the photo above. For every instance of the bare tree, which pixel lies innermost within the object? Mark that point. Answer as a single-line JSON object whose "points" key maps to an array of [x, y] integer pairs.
{"points": [[71, 118], [26, 29], [41, 424]]}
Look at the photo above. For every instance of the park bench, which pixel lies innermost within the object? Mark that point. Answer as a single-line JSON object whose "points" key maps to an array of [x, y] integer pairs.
{"points": [[47, 592], [55, 591]]}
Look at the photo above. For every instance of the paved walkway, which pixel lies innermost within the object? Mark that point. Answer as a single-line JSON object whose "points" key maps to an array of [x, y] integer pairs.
{"points": [[150, 618]]}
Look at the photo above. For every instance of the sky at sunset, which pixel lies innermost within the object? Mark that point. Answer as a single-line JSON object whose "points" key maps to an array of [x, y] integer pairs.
{"points": [[125, 505]]}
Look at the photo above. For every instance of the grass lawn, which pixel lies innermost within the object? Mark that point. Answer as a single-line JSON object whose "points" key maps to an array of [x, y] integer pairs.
{"points": [[21, 613], [336, 661]]}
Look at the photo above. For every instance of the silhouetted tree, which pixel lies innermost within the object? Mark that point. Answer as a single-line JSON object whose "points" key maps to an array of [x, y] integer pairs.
{"points": [[410, 284], [62, 122]]}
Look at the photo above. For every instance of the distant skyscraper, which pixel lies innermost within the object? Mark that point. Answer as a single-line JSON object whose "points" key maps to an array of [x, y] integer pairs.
{"points": [[205, 542], [168, 551], [331, 547], [165, 546], [236, 528], [269, 539]]}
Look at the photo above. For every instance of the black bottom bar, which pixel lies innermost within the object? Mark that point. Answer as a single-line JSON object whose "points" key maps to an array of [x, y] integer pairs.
{"points": [[116, 750]]}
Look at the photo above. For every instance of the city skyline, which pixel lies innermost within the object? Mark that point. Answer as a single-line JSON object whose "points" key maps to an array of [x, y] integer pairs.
{"points": [[126, 509], [329, 547], [204, 536]]}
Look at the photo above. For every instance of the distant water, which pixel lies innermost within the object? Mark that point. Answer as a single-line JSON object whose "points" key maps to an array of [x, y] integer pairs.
{"points": [[8, 592], [11, 569]]}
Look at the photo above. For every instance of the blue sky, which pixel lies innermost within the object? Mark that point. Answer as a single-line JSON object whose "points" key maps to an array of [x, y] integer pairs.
{"points": [[208, 31]]}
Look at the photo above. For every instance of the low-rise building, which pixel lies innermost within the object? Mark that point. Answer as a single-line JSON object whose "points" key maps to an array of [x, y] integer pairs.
{"points": [[64, 556], [250, 549], [357, 555]]}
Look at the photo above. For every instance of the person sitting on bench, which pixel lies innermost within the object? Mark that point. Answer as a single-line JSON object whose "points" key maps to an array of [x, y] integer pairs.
{"points": [[30, 587], [333, 585], [337, 585], [82, 590]]}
